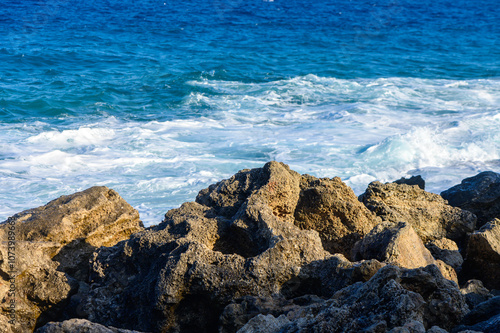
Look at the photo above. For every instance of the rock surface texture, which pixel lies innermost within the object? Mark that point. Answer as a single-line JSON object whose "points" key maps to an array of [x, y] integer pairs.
{"points": [[479, 194], [52, 247], [268, 250]]}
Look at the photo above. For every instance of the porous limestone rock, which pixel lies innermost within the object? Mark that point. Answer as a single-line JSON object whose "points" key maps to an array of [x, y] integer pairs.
{"points": [[398, 244], [479, 194], [330, 207], [482, 261], [52, 249], [428, 213]]}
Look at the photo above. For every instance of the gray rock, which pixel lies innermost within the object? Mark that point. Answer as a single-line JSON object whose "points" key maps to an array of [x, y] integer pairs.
{"points": [[446, 250], [475, 293], [436, 329], [479, 194], [265, 324], [483, 255], [79, 326]]}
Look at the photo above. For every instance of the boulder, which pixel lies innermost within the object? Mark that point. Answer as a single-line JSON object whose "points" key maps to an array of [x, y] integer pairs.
{"points": [[475, 293], [52, 248], [428, 213], [388, 302], [79, 326], [330, 207], [483, 255], [398, 244], [485, 317], [479, 194], [446, 250]]}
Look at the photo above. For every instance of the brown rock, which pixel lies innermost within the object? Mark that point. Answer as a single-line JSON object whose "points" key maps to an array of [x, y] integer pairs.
{"points": [[483, 255], [427, 213], [79, 326], [53, 245], [330, 207], [397, 244]]}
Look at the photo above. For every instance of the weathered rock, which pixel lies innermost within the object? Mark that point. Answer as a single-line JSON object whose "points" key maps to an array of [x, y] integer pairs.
{"points": [[398, 244], [475, 293], [479, 194], [79, 326], [265, 324], [427, 213], [413, 180], [238, 239], [485, 317], [483, 255], [436, 329], [53, 245], [330, 207], [446, 250]]}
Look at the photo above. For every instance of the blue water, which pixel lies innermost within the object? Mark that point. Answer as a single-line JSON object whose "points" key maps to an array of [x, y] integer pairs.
{"points": [[158, 99]]}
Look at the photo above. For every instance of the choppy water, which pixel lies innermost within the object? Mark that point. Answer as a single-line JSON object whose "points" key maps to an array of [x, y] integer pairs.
{"points": [[158, 99]]}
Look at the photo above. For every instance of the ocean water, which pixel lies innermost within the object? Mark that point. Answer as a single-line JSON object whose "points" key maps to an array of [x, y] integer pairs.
{"points": [[157, 99]]}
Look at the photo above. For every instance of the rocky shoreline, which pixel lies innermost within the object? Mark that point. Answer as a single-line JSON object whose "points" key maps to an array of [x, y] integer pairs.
{"points": [[268, 250]]}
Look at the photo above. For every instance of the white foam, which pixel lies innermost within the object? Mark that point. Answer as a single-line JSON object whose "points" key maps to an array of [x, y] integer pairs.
{"points": [[361, 130]]}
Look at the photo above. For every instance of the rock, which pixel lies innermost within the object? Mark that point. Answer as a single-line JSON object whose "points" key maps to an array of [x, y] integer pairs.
{"points": [[426, 212], [398, 244], [475, 293], [413, 180], [479, 194], [53, 246], [446, 250], [485, 317], [436, 329], [483, 255], [264, 324], [445, 305], [388, 301], [237, 239], [79, 326], [330, 207]]}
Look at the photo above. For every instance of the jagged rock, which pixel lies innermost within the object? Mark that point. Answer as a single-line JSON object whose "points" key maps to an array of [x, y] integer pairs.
{"points": [[427, 213], [330, 207], [79, 326], [479, 194], [483, 255], [436, 329], [446, 250], [398, 244], [386, 302], [238, 239], [53, 245], [264, 324], [413, 180], [485, 317], [475, 293]]}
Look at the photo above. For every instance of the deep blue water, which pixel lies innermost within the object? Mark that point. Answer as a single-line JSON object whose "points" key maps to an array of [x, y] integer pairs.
{"points": [[158, 99]]}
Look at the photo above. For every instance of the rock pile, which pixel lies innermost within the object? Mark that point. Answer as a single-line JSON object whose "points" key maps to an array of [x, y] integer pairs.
{"points": [[268, 250]]}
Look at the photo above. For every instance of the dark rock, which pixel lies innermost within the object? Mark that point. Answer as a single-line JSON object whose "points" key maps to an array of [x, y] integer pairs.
{"points": [[483, 255], [475, 293], [79, 326], [446, 250], [426, 212], [479, 194], [485, 317], [413, 180]]}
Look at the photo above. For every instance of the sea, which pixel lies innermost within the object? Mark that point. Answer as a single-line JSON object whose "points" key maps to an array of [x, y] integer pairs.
{"points": [[158, 99]]}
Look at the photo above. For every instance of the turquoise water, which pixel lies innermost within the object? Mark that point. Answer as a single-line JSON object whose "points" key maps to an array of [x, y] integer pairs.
{"points": [[158, 99]]}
